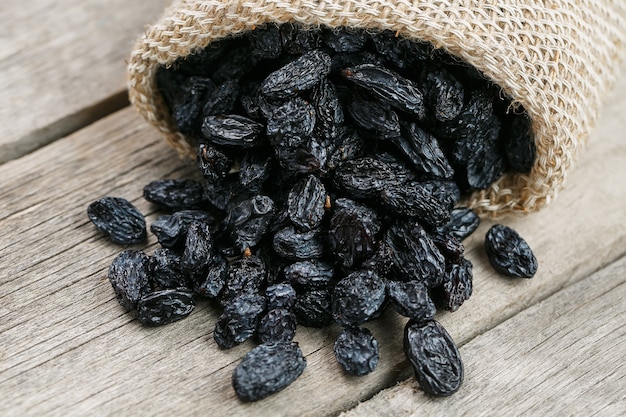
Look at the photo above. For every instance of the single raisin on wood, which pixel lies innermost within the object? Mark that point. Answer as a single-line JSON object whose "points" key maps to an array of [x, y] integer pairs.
{"points": [[509, 253], [119, 219], [435, 358], [356, 350], [267, 369]]}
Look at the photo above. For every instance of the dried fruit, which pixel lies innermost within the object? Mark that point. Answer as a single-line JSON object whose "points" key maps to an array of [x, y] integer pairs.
{"points": [[175, 195], [165, 306], [356, 350], [358, 298], [129, 276], [266, 369], [509, 253], [239, 320], [116, 217], [278, 325], [298, 75], [434, 357]]}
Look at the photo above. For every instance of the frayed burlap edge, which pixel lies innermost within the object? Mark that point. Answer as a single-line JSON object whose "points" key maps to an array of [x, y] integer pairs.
{"points": [[556, 58]]}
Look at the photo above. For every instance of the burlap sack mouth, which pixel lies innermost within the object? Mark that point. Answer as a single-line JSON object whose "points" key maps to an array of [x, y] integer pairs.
{"points": [[557, 59]]}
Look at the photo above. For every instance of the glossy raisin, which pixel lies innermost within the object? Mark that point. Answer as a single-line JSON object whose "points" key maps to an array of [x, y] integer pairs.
{"points": [[509, 253], [388, 86], [435, 358], [298, 75], [305, 204], [232, 130], [278, 325], [119, 219], [411, 299], [356, 350], [312, 308], [267, 369], [358, 298], [175, 194], [310, 275], [129, 277], [165, 306], [239, 320]]}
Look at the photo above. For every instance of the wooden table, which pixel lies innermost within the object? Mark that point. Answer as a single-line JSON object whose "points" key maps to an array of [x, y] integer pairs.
{"points": [[552, 345]]}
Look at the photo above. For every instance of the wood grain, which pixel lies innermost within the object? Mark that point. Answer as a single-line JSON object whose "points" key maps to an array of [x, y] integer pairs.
{"points": [[67, 348], [561, 357], [62, 66]]}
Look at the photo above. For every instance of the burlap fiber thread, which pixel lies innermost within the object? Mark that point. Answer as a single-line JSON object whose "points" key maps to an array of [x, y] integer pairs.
{"points": [[557, 58]]}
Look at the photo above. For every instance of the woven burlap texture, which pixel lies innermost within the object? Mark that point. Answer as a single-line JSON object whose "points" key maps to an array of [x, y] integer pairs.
{"points": [[557, 58]]}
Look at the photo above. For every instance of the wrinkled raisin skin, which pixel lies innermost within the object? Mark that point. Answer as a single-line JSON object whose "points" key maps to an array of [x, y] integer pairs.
{"points": [[117, 218], [509, 253], [434, 357]]}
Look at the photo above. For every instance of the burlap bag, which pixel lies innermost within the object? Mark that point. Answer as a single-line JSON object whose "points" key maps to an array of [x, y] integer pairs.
{"points": [[558, 58]]}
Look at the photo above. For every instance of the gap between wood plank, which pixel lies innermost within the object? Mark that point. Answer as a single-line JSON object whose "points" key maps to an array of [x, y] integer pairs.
{"points": [[63, 127]]}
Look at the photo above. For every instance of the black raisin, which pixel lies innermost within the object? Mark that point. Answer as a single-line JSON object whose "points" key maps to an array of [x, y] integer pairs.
{"points": [[239, 320], [298, 75], [166, 270], [281, 295], [509, 253], [165, 306], [356, 350], [463, 222], [232, 130], [414, 255], [291, 244], [411, 299], [175, 194], [312, 308], [267, 369], [129, 276], [389, 86], [305, 204], [358, 298], [434, 357], [121, 221], [310, 275], [352, 232], [278, 325]]}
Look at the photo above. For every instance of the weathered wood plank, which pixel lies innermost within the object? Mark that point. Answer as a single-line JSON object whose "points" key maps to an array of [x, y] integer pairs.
{"points": [[561, 357], [66, 348], [62, 66]]}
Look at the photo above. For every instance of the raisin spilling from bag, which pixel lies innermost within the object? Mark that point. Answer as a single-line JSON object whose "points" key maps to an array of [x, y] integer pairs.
{"points": [[332, 164]]}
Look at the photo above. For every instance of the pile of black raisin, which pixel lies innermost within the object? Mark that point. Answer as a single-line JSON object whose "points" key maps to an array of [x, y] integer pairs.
{"points": [[333, 163]]}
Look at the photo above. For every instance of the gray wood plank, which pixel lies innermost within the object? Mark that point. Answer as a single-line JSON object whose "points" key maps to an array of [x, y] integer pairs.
{"points": [[561, 357], [62, 66], [67, 348]]}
